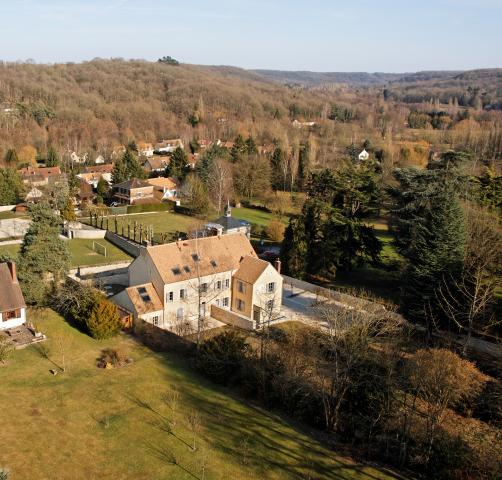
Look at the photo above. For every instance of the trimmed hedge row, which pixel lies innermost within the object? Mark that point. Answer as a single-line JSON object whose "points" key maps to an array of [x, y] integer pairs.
{"points": [[151, 207]]}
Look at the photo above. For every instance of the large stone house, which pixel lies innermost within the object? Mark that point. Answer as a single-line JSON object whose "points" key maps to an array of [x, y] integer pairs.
{"points": [[217, 278], [40, 176], [12, 305], [133, 191]]}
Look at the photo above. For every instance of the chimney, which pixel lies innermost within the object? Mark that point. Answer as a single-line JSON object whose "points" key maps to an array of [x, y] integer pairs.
{"points": [[13, 272], [277, 264]]}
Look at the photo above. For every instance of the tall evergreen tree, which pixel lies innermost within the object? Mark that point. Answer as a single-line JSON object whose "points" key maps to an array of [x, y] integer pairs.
{"points": [[132, 167], [251, 148], [52, 159], [119, 173], [429, 230], [178, 165], [303, 166], [44, 258], [330, 232], [11, 157], [11, 187], [239, 148]]}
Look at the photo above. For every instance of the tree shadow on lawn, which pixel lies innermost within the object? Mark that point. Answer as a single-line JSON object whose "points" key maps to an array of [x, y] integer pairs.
{"points": [[243, 432]]}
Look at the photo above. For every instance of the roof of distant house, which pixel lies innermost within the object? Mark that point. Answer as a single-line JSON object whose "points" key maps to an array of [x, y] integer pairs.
{"points": [[106, 168], [158, 162], [250, 269], [174, 142], [133, 183], [229, 223], [188, 259], [169, 183], [44, 172], [11, 297], [144, 298]]}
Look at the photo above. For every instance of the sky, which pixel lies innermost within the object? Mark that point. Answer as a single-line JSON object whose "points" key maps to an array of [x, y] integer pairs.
{"points": [[316, 35]]}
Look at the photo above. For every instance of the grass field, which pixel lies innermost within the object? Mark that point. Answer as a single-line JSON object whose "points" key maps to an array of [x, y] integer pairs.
{"points": [[90, 423], [82, 253], [169, 223]]}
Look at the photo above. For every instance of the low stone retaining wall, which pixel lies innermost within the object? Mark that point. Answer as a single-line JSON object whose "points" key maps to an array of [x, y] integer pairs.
{"points": [[124, 244], [230, 318], [117, 273]]}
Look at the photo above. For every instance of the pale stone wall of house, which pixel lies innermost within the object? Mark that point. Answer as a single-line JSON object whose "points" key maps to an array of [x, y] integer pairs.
{"points": [[188, 306], [261, 295]]}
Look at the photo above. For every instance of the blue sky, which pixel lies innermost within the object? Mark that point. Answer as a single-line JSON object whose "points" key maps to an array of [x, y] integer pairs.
{"points": [[320, 35]]}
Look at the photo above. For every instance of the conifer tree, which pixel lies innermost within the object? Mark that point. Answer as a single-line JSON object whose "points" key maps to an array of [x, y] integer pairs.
{"points": [[44, 257], [178, 165], [52, 159]]}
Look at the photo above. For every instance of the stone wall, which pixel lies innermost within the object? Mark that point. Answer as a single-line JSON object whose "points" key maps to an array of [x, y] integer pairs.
{"points": [[131, 248], [231, 318]]}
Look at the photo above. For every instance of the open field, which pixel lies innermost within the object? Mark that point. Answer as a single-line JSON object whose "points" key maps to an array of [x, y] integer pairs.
{"points": [[91, 423], [169, 222], [82, 253]]}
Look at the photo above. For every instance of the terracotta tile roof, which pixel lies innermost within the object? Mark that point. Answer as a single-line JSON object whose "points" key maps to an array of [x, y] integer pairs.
{"points": [[178, 261], [44, 172], [158, 162], [11, 296], [106, 168], [133, 183], [250, 269], [170, 182], [144, 298]]}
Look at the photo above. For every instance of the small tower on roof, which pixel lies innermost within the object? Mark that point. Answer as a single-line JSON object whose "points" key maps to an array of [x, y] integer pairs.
{"points": [[228, 210]]}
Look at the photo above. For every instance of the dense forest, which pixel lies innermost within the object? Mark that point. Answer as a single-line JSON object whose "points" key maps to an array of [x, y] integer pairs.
{"points": [[94, 106]]}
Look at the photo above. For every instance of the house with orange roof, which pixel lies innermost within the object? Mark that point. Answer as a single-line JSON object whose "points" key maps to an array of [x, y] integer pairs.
{"points": [[207, 281], [165, 188]]}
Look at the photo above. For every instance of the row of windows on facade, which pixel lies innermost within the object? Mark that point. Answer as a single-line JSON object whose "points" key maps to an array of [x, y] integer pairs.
{"points": [[204, 287], [241, 287], [225, 302]]}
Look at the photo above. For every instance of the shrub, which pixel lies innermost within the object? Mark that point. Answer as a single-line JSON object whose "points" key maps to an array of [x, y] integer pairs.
{"points": [[275, 230], [150, 207], [113, 356], [4, 474], [222, 357], [104, 320]]}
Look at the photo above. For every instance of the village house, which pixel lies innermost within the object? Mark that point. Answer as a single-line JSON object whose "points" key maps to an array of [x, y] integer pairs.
{"points": [[145, 149], [174, 286], [156, 164], [99, 160], [169, 146], [298, 124], [12, 304], [93, 173], [33, 195], [165, 188], [133, 191], [40, 176], [364, 155]]}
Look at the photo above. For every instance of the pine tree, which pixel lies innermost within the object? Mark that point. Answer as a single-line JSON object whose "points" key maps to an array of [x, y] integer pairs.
{"points": [[44, 258], [119, 174], [178, 165], [11, 187], [52, 158], [11, 157], [251, 148], [239, 148], [303, 166], [132, 167], [294, 249], [102, 188], [104, 320]]}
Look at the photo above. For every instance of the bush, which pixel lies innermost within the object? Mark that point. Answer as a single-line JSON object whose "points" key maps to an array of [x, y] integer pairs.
{"points": [[114, 357], [104, 320], [222, 357], [275, 230], [150, 207]]}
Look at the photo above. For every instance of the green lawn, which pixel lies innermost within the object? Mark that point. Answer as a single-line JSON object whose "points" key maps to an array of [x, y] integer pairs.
{"points": [[90, 423], [82, 253], [12, 214], [162, 223], [169, 223]]}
